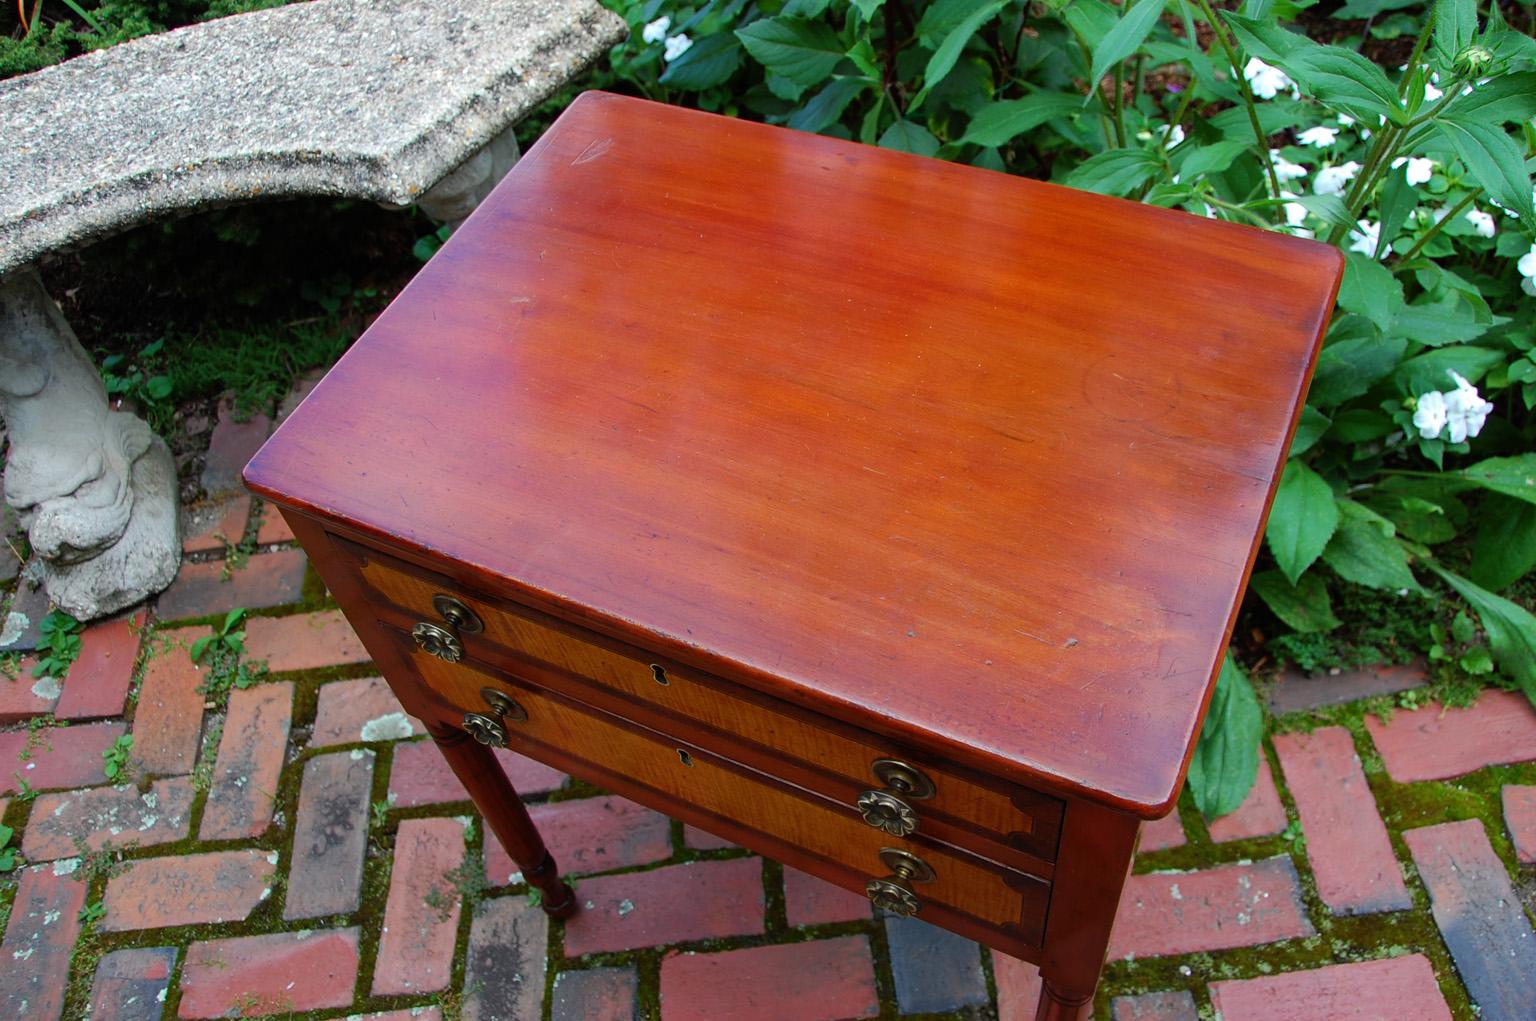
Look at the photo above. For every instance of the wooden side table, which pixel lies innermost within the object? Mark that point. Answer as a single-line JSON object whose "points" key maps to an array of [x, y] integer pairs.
{"points": [[885, 516]]}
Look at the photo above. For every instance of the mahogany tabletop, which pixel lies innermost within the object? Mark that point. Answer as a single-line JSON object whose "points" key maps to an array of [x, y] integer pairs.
{"points": [[976, 461]]}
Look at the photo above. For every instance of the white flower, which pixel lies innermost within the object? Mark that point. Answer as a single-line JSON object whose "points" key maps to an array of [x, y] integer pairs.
{"points": [[1527, 268], [1319, 137], [1420, 169], [1285, 170], [1527, 263], [1465, 410], [1364, 237], [1430, 92], [677, 45], [1175, 136], [656, 31], [1267, 82], [1481, 222], [1295, 212], [1331, 180], [1345, 120], [1430, 415]]}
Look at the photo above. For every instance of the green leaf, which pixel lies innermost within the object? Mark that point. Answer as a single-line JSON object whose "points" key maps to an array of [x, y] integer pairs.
{"points": [[1132, 28], [828, 105], [1505, 546], [1418, 519], [1370, 289], [1328, 208], [1336, 76], [1363, 552], [1348, 368], [1090, 20], [1359, 9], [1495, 160], [1212, 158], [867, 8], [943, 59], [863, 55], [709, 62], [909, 136], [1431, 370], [1345, 79], [1115, 172], [805, 8], [1509, 98], [999, 123], [1450, 319], [1264, 38], [158, 387], [1304, 606], [1395, 202], [1455, 26], [200, 646], [1226, 758], [1511, 630], [1512, 476], [1309, 430], [803, 51], [1302, 519]]}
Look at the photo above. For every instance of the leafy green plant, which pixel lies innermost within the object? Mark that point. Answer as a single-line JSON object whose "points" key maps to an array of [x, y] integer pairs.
{"points": [[7, 852], [226, 638], [222, 651], [93, 912], [115, 757], [60, 644], [1411, 473], [141, 380]]}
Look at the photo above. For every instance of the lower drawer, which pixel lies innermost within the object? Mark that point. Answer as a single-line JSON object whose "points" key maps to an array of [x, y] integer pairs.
{"points": [[803, 828]]}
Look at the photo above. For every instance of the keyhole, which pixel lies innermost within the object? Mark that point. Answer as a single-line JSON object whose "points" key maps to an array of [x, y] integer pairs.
{"points": [[660, 674], [684, 757]]}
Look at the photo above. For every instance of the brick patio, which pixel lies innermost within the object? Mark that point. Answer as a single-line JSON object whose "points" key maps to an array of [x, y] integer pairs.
{"points": [[302, 851]]}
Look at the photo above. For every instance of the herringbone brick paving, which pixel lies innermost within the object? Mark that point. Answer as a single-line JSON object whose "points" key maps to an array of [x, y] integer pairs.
{"points": [[297, 849]]}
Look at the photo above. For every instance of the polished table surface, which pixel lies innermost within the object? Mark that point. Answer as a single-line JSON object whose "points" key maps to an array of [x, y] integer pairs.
{"points": [[882, 515], [980, 460]]}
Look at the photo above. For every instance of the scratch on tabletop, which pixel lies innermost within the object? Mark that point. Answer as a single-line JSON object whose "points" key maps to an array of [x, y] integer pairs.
{"points": [[597, 148]]}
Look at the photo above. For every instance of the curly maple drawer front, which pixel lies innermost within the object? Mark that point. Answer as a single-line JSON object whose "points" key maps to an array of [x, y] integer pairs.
{"points": [[1020, 818], [677, 769]]}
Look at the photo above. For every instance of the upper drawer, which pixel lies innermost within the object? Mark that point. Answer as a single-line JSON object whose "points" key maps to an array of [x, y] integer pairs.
{"points": [[1013, 816]]}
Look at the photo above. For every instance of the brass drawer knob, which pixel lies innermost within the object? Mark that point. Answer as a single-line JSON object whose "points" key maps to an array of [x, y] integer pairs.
{"points": [[444, 642], [439, 642], [458, 616], [894, 892], [887, 812], [491, 729], [889, 809]]}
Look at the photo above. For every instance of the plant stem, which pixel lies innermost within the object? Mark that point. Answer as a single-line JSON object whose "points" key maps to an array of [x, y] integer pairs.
{"points": [[1377, 161], [1118, 104], [1438, 225], [1418, 51], [1244, 91], [1082, 44], [1233, 207]]}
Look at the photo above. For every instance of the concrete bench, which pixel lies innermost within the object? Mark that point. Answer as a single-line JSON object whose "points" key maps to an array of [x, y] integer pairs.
{"points": [[386, 100]]}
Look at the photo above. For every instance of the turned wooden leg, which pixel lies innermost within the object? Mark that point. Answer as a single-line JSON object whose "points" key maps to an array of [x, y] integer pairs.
{"points": [[1097, 846], [477, 769]]}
